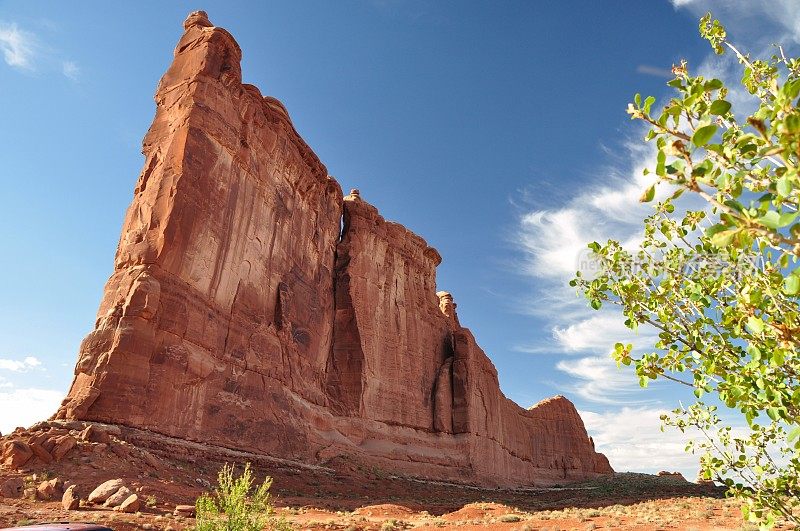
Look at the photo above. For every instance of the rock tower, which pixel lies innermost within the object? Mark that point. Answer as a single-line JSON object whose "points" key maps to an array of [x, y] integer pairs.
{"points": [[253, 307]]}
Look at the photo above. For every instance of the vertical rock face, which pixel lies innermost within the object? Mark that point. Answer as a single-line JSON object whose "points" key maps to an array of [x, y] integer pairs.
{"points": [[386, 283], [252, 307], [222, 295]]}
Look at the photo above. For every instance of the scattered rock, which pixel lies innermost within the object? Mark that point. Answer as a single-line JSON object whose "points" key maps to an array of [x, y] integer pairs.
{"points": [[120, 450], [94, 434], [105, 490], [184, 510], [41, 453], [131, 504], [118, 497], [16, 453], [63, 446], [12, 488], [50, 490], [49, 443], [70, 500], [150, 459]]}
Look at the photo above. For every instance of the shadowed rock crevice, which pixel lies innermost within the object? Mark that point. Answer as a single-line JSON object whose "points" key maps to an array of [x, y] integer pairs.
{"points": [[344, 383], [254, 307]]}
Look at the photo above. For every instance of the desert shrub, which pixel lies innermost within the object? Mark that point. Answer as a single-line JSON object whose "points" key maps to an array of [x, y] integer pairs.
{"points": [[236, 505]]}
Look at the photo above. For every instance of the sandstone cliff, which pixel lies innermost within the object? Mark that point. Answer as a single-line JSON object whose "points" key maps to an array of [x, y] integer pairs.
{"points": [[252, 307]]}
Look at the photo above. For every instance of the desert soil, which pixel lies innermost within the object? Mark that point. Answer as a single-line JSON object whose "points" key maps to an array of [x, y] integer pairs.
{"points": [[346, 495]]}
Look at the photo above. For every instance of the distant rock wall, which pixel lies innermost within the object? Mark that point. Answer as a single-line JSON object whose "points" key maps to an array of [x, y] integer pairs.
{"points": [[252, 307]]}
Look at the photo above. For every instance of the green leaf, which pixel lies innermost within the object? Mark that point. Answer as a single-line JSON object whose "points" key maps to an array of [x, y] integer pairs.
{"points": [[723, 239], [648, 102], [771, 219], [648, 194], [703, 135], [792, 123], [791, 284], [720, 107], [792, 88], [755, 324], [774, 220], [715, 229], [784, 186], [637, 99], [786, 219], [661, 158]]}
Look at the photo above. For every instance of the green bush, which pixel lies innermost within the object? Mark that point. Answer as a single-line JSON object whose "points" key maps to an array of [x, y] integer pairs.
{"points": [[721, 284], [236, 505]]}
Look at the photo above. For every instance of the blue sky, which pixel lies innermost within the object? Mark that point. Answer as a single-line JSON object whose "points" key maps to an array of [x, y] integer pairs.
{"points": [[494, 130]]}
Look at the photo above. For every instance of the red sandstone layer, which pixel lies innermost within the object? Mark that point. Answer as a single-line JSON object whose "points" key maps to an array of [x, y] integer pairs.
{"points": [[240, 313]]}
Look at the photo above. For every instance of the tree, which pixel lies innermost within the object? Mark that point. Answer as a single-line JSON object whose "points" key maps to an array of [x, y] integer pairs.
{"points": [[720, 283]]}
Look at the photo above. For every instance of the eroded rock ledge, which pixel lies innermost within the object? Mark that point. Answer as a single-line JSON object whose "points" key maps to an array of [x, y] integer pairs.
{"points": [[240, 314]]}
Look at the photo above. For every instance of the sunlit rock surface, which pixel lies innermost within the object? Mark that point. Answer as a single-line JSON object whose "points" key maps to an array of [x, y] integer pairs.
{"points": [[255, 308]]}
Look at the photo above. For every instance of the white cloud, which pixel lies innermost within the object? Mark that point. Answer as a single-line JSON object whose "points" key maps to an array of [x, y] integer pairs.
{"points": [[632, 440], [554, 246], [599, 380], [70, 69], [24, 407], [751, 18], [681, 3], [28, 363], [18, 46], [554, 240], [23, 50], [599, 332]]}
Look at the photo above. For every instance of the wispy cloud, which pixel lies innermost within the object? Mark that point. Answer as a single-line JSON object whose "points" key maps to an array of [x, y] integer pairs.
{"points": [[598, 332], [655, 71], [70, 70], [24, 50], [553, 243], [749, 20], [18, 46], [682, 3], [598, 380], [25, 364], [552, 240]]}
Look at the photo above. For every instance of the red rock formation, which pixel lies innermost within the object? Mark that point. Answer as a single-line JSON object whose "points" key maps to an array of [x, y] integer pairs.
{"points": [[240, 313]]}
